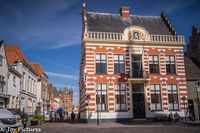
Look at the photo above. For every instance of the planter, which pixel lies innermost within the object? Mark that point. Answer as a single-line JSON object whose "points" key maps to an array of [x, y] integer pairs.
{"points": [[34, 123]]}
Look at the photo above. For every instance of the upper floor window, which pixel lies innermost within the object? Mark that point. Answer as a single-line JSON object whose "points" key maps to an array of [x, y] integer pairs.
{"points": [[154, 64], [2, 82], [170, 64], [120, 97], [101, 64], [119, 65], [155, 97], [101, 97], [14, 80], [172, 96], [1, 60]]}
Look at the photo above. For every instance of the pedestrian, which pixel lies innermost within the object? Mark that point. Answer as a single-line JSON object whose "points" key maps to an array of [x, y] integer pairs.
{"points": [[72, 116]]}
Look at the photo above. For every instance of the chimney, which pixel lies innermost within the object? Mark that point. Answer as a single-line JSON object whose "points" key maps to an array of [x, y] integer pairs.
{"points": [[124, 12], [195, 30]]}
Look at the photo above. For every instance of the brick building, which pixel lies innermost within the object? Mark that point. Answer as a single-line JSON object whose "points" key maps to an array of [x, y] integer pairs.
{"points": [[131, 67], [67, 99], [193, 73]]}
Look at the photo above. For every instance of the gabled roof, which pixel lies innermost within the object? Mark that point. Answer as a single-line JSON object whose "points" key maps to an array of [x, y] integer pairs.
{"points": [[14, 53], [38, 68], [191, 69], [104, 22]]}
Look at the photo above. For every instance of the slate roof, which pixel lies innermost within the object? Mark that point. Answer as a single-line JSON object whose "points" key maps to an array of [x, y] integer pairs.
{"points": [[102, 22], [191, 69]]}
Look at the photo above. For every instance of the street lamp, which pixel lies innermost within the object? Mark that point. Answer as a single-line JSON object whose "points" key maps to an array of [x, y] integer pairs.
{"points": [[197, 91], [184, 99]]}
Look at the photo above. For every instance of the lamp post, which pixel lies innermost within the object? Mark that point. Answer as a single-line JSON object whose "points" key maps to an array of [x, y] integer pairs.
{"points": [[197, 91], [184, 99]]}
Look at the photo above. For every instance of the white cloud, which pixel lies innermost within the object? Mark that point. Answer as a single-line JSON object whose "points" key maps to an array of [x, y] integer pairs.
{"points": [[65, 76]]}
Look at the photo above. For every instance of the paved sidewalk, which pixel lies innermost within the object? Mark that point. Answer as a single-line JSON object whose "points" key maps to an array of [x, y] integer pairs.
{"points": [[192, 123]]}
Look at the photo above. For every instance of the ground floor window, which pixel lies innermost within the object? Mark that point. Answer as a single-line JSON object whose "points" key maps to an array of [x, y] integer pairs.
{"points": [[172, 96], [155, 97], [101, 97], [120, 97]]}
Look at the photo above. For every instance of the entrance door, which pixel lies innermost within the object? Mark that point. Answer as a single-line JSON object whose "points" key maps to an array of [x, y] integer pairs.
{"points": [[138, 100]]}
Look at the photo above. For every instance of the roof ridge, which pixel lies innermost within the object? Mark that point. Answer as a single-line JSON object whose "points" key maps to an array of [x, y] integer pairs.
{"points": [[103, 13]]}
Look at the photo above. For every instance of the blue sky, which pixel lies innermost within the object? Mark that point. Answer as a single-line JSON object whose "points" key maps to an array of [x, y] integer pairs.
{"points": [[49, 31]]}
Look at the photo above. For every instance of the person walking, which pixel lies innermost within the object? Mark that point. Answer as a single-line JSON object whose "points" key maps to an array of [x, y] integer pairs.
{"points": [[72, 116]]}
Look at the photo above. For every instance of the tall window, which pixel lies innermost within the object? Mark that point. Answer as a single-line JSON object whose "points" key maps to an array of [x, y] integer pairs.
{"points": [[1, 60], [172, 96], [119, 65], [154, 64], [101, 97], [2, 82], [170, 64], [120, 97], [155, 97], [101, 65], [198, 88], [14, 80]]}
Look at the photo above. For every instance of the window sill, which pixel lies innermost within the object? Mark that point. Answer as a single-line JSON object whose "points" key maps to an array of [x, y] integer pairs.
{"points": [[174, 110], [171, 74], [155, 110], [121, 111], [154, 74], [101, 73], [102, 111]]}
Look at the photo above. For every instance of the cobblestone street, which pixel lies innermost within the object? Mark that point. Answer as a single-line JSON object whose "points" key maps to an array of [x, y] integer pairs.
{"points": [[57, 127]]}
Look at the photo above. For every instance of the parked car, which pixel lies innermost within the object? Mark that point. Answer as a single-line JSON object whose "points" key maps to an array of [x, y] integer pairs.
{"points": [[8, 121], [17, 116]]}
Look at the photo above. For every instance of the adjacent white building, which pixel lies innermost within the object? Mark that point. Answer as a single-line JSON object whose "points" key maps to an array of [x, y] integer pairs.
{"points": [[28, 84], [14, 85]]}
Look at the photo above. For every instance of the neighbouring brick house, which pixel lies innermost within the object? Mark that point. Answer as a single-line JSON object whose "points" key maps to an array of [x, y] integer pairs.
{"points": [[54, 97], [193, 73], [131, 67], [42, 88]]}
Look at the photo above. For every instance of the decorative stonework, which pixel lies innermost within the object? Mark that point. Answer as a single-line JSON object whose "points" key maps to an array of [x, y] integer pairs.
{"points": [[135, 33]]}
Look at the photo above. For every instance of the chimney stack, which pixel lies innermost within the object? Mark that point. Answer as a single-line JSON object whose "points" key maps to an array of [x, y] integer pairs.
{"points": [[124, 12], [195, 30]]}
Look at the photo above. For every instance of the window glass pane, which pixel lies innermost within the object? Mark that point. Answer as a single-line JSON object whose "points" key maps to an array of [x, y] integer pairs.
{"points": [[157, 87], [155, 58], [166, 58], [97, 56], [152, 87], [103, 57], [174, 87], [153, 106], [169, 87], [172, 58], [123, 86], [150, 58], [121, 57], [104, 86], [115, 57]]}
